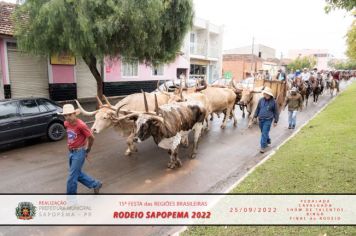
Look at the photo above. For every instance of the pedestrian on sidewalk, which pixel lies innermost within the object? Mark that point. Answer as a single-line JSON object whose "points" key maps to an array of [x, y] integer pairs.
{"points": [[266, 112], [79, 142], [294, 102]]}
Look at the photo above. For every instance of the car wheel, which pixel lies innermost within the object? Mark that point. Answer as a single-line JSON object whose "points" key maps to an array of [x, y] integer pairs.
{"points": [[55, 131]]}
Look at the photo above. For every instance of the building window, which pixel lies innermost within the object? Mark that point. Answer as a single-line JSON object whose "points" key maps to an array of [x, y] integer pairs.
{"points": [[129, 67], [158, 70], [192, 37]]}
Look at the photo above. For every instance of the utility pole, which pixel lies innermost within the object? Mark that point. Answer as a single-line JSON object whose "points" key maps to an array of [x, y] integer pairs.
{"points": [[252, 57], [280, 61]]}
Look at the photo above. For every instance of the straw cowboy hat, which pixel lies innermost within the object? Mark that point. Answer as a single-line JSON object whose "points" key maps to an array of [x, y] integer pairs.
{"points": [[69, 109], [268, 91]]}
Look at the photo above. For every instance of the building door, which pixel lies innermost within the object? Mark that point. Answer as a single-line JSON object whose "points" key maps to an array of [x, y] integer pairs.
{"points": [[28, 74], [86, 83]]}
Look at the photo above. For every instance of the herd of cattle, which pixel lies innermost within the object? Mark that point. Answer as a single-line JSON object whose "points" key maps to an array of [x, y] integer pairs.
{"points": [[169, 116]]}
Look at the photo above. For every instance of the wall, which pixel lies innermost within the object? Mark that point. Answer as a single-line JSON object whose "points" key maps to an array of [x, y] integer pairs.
{"points": [[62, 74], [1, 71], [3, 62], [113, 71], [267, 52], [239, 67]]}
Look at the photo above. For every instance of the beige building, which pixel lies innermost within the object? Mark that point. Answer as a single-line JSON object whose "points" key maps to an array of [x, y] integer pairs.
{"points": [[322, 56], [259, 50]]}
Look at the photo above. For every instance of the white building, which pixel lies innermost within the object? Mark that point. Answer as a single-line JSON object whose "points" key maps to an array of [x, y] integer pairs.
{"points": [[322, 56], [203, 47]]}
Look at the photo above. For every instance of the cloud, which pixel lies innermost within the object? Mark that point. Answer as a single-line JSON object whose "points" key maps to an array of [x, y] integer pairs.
{"points": [[281, 24]]}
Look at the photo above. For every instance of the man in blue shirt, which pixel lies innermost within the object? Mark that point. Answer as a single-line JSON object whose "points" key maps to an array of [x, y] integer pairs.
{"points": [[266, 112]]}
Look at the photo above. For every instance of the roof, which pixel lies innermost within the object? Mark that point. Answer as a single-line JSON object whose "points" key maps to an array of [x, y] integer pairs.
{"points": [[6, 26]]}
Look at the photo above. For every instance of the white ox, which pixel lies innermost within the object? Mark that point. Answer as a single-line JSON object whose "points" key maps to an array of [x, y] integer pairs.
{"points": [[105, 116], [250, 99]]}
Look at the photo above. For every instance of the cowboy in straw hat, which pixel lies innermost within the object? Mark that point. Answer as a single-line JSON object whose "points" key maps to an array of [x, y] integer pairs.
{"points": [[266, 112], [79, 141], [294, 102]]}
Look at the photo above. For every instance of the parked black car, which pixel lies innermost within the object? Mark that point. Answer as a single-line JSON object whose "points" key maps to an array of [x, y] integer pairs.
{"points": [[27, 118]]}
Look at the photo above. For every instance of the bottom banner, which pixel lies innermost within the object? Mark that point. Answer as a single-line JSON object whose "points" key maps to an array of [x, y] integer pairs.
{"points": [[180, 209]]}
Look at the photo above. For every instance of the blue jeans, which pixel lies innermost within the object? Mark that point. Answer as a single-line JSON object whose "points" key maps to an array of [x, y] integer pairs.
{"points": [[265, 126], [76, 162], [292, 118]]}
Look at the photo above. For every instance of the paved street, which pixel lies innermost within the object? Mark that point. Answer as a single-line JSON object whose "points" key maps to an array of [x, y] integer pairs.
{"points": [[223, 157]]}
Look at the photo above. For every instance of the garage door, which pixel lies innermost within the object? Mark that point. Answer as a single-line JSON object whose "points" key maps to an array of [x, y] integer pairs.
{"points": [[86, 83], [28, 74]]}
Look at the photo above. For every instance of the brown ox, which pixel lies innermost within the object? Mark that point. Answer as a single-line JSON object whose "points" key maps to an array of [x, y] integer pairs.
{"points": [[105, 115], [183, 95], [222, 100], [170, 126], [214, 99]]}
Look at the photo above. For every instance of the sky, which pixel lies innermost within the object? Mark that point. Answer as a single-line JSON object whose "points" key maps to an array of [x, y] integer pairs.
{"points": [[280, 24]]}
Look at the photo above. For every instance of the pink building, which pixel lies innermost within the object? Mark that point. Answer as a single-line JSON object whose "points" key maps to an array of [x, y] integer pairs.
{"points": [[67, 78]]}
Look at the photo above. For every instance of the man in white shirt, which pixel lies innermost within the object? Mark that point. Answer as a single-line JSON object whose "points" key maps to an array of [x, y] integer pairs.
{"points": [[249, 81], [305, 75]]}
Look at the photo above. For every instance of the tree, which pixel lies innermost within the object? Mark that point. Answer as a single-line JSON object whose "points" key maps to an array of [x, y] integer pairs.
{"points": [[351, 41], [301, 63], [348, 5], [342, 64], [151, 31]]}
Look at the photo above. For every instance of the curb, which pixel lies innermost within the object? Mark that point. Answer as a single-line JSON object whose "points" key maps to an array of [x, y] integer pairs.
{"points": [[177, 233]]}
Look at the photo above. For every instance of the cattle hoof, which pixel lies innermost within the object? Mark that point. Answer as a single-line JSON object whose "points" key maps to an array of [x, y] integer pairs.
{"points": [[222, 126], [235, 124], [193, 156], [171, 165], [128, 153], [178, 163]]}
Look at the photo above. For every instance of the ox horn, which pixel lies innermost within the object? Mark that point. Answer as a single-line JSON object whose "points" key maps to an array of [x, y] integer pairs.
{"points": [[107, 101], [158, 84], [165, 85], [99, 101], [118, 109], [233, 85], [164, 92], [84, 112], [145, 101], [201, 88], [126, 117], [156, 105]]}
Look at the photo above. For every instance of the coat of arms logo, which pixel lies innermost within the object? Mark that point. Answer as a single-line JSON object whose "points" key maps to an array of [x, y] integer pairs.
{"points": [[25, 211]]}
